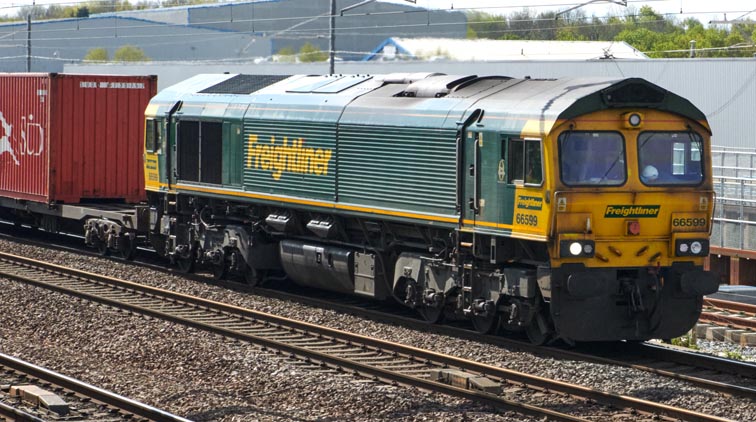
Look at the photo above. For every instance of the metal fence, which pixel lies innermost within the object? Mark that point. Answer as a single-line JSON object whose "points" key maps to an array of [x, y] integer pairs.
{"points": [[734, 172]]}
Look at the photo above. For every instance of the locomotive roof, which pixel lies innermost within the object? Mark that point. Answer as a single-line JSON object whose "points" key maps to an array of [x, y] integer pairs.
{"points": [[420, 99]]}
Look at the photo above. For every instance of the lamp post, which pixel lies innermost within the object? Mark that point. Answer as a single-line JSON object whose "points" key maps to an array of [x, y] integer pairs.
{"points": [[28, 37]]}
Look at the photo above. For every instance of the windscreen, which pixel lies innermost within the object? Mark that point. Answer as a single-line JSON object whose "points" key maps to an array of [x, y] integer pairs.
{"points": [[592, 158], [670, 158]]}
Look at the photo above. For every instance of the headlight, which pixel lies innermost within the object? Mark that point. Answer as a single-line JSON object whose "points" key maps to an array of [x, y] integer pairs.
{"points": [[691, 247], [576, 248]]}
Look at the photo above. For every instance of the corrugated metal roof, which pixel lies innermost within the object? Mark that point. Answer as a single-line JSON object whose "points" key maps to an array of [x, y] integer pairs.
{"points": [[493, 50]]}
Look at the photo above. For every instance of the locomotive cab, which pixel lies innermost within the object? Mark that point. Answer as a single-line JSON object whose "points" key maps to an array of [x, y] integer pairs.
{"points": [[633, 210]]}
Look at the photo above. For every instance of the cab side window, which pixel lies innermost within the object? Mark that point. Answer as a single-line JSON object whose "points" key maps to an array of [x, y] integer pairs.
{"points": [[151, 136], [525, 163]]}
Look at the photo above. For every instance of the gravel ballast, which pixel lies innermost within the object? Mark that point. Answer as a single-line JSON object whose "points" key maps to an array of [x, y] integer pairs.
{"points": [[205, 377]]}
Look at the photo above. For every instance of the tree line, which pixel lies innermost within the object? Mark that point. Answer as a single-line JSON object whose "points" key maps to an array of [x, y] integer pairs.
{"points": [[646, 30]]}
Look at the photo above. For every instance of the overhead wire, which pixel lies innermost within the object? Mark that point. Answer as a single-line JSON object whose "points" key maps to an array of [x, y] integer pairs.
{"points": [[230, 5], [208, 25], [294, 33], [41, 3]]}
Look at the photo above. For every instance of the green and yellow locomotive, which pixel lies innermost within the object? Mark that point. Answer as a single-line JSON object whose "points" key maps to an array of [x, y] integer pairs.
{"points": [[573, 208]]}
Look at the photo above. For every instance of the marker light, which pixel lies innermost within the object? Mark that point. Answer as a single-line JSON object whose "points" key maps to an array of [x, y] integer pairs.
{"points": [[632, 120], [633, 228], [587, 249], [576, 248], [691, 247]]}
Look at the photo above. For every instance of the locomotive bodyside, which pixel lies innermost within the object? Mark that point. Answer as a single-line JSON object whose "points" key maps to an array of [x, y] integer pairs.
{"points": [[452, 194]]}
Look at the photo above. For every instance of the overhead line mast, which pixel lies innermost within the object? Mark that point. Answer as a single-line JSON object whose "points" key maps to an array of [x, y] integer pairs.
{"points": [[332, 30], [619, 2]]}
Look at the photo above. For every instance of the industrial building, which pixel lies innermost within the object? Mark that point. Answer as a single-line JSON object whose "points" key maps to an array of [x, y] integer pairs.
{"points": [[228, 32], [485, 50]]}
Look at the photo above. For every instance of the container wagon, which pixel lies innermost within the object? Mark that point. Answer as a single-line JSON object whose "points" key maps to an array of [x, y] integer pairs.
{"points": [[71, 147]]}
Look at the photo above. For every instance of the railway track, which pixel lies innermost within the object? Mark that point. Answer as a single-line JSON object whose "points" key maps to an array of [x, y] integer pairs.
{"points": [[705, 371], [702, 370], [32, 393], [729, 314], [328, 348], [727, 376]]}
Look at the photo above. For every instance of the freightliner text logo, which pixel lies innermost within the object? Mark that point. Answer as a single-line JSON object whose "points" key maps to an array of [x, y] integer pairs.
{"points": [[632, 211], [287, 155], [530, 203]]}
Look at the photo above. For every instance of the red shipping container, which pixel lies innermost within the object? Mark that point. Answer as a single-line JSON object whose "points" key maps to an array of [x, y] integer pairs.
{"points": [[73, 138]]}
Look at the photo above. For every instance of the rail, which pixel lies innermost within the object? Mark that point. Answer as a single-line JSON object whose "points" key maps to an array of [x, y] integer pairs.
{"points": [[140, 410]]}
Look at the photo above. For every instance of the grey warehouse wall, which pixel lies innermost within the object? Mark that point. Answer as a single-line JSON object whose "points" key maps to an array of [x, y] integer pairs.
{"points": [[60, 42], [724, 89], [292, 23], [223, 32]]}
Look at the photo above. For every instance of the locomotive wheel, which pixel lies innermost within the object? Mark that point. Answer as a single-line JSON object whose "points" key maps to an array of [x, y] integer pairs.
{"points": [[538, 330], [220, 269], [430, 314], [252, 277], [187, 263], [486, 324]]}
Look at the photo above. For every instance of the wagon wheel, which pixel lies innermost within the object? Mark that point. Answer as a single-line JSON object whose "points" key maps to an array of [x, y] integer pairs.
{"points": [[430, 314], [486, 324], [126, 249], [102, 248]]}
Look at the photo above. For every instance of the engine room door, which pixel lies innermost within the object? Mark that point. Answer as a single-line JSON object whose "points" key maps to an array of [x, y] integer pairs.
{"points": [[171, 127], [233, 154]]}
